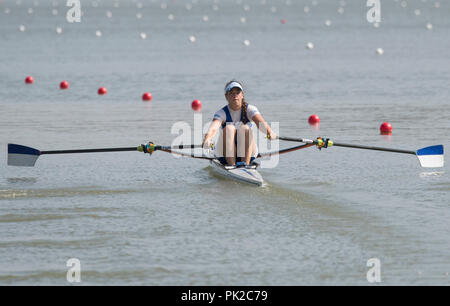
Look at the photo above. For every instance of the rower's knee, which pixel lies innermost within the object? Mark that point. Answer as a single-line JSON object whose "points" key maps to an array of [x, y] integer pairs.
{"points": [[229, 129], [245, 132], [229, 132], [245, 128]]}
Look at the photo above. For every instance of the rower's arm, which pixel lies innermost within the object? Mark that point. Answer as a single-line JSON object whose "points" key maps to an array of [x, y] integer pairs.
{"points": [[263, 126], [213, 128]]}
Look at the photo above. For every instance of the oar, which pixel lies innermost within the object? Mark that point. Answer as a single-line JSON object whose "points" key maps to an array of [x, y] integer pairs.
{"points": [[283, 151], [429, 157], [24, 156]]}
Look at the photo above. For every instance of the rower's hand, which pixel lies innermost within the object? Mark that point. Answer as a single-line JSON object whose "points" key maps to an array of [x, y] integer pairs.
{"points": [[271, 135], [208, 144]]}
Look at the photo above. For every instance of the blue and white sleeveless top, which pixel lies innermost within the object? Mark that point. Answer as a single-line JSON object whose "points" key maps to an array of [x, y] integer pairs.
{"points": [[227, 115]]}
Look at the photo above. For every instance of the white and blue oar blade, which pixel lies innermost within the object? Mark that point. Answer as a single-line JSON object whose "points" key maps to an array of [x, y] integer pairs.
{"points": [[21, 155], [431, 157]]}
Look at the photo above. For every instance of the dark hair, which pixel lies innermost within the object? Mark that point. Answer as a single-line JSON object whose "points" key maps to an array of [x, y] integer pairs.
{"points": [[244, 103]]}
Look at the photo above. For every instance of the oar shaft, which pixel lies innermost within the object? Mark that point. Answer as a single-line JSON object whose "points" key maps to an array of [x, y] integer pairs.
{"points": [[285, 150], [118, 149], [373, 148], [336, 144], [90, 150]]}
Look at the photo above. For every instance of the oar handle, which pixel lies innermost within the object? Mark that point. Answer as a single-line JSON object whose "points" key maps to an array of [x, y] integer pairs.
{"points": [[169, 149], [296, 139], [180, 147]]}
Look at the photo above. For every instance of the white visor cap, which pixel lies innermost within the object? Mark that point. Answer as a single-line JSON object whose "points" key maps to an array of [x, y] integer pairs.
{"points": [[233, 85]]}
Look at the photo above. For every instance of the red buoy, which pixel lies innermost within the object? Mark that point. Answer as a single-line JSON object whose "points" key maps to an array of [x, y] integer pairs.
{"points": [[283, 21], [102, 91], [314, 120], [64, 85], [147, 96], [196, 105], [29, 80], [386, 128]]}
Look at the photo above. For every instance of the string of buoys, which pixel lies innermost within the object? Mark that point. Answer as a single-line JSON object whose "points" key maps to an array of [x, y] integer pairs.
{"points": [[385, 128], [196, 105], [307, 9]]}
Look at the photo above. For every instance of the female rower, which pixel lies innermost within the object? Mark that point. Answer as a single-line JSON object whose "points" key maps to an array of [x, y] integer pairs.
{"points": [[236, 142]]}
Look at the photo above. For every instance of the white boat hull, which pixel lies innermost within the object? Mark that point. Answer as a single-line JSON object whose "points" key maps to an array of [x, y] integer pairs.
{"points": [[243, 174]]}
